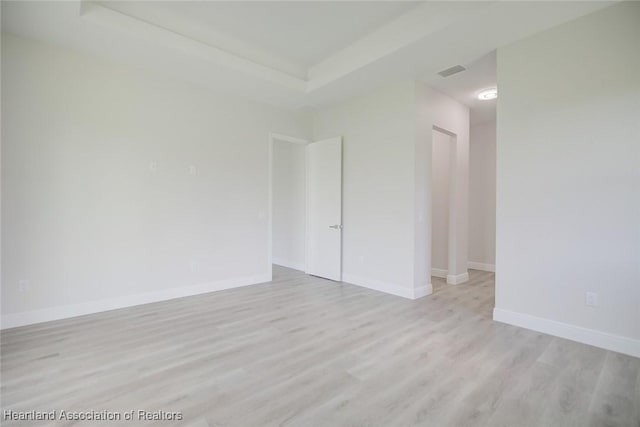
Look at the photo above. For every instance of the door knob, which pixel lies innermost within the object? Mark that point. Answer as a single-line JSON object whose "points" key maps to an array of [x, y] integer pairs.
{"points": [[336, 227]]}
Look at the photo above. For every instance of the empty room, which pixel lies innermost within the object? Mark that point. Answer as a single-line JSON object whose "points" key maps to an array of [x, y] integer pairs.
{"points": [[320, 213]]}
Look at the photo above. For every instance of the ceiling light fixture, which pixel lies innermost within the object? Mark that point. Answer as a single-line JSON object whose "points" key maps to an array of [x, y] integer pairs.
{"points": [[488, 94]]}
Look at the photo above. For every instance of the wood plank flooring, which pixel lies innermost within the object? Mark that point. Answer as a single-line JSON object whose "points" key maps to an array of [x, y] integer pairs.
{"points": [[302, 351]]}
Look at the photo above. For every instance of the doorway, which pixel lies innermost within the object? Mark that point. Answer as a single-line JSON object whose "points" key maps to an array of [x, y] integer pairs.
{"points": [[442, 153], [445, 256], [305, 205], [288, 202]]}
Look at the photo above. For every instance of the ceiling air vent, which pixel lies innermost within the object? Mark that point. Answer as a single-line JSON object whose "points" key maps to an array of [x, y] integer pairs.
{"points": [[451, 71]]}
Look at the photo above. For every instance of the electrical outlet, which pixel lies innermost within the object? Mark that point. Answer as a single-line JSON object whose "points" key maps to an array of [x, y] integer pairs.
{"points": [[591, 299], [24, 285], [153, 166], [361, 259], [193, 171]]}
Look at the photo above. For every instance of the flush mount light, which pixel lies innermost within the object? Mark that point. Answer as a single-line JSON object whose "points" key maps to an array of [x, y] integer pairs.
{"points": [[488, 94]]}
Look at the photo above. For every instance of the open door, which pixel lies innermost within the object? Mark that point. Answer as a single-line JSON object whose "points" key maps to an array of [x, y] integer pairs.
{"points": [[324, 208]]}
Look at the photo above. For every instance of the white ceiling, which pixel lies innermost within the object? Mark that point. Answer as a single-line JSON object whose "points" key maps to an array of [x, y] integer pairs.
{"points": [[465, 86], [304, 32], [297, 54]]}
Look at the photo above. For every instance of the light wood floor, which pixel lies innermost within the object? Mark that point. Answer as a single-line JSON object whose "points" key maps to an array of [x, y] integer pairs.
{"points": [[302, 351]]}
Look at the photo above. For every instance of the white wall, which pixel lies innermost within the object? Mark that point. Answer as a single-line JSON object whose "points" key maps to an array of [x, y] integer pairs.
{"points": [[442, 148], [568, 180], [387, 184], [436, 109], [289, 201], [99, 205], [378, 145], [482, 196]]}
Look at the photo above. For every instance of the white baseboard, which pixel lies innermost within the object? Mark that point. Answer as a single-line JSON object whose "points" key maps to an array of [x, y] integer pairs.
{"points": [[389, 288], [286, 263], [13, 320], [422, 291], [439, 272], [571, 332], [481, 266], [453, 279]]}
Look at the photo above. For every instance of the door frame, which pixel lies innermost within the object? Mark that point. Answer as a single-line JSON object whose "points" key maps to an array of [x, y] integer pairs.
{"points": [[273, 136], [452, 232]]}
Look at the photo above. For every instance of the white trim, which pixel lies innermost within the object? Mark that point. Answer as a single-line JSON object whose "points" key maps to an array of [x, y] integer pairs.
{"points": [[237, 61], [306, 210], [439, 272], [388, 288], [453, 279], [600, 339], [288, 264], [13, 320], [481, 266], [422, 291]]}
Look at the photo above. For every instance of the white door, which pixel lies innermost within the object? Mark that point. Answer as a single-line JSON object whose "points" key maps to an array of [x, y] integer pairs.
{"points": [[324, 208]]}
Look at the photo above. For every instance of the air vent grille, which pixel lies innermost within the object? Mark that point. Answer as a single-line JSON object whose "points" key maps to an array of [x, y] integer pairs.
{"points": [[451, 71]]}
